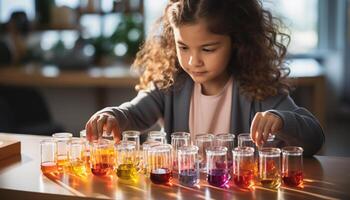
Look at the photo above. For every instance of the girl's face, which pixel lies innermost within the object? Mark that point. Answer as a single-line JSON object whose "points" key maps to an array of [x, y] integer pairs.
{"points": [[203, 55]]}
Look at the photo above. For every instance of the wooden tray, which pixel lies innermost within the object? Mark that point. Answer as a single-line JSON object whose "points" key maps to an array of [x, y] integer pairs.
{"points": [[9, 148]]}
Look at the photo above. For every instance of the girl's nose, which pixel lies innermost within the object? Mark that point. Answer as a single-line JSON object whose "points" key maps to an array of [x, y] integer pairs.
{"points": [[195, 61]]}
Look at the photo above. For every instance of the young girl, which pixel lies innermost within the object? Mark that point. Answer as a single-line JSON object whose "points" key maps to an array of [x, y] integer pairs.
{"points": [[214, 67]]}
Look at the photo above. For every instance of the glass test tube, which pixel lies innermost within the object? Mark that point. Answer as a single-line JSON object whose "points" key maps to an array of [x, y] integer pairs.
{"points": [[62, 140], [217, 169], [203, 142], [48, 149], [132, 136], [178, 139], [86, 154], [76, 156], [146, 146], [244, 140], [161, 163], [269, 167], [102, 157], [292, 166], [159, 136], [226, 140], [188, 165], [126, 160], [243, 166]]}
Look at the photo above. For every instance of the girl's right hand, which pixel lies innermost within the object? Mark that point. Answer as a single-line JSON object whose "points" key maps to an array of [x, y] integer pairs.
{"points": [[100, 123]]}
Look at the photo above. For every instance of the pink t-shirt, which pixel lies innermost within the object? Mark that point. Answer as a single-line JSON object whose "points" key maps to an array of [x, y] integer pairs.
{"points": [[210, 114]]}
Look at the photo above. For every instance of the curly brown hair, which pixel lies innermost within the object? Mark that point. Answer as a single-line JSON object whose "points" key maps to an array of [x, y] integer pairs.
{"points": [[259, 47]]}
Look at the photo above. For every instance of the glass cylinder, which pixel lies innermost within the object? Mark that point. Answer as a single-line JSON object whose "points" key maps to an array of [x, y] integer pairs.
{"points": [[132, 136], [102, 157], [62, 140], [292, 166], [226, 140], [217, 170], [243, 166], [159, 136], [203, 142], [270, 167], [127, 167], [188, 165], [179, 139], [244, 140], [76, 156], [146, 146], [82, 134], [270, 141], [107, 136], [161, 163], [86, 154], [48, 149]]}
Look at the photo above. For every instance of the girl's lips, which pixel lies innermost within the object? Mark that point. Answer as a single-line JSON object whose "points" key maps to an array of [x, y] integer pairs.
{"points": [[199, 73]]}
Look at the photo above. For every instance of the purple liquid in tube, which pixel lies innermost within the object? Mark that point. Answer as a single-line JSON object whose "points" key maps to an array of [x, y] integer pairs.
{"points": [[189, 177], [218, 177]]}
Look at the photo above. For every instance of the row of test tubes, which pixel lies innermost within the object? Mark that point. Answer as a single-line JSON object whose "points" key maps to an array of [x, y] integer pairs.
{"points": [[63, 153], [247, 165], [159, 161]]}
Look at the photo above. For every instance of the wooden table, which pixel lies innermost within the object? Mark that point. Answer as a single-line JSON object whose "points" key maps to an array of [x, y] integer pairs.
{"points": [[21, 178]]}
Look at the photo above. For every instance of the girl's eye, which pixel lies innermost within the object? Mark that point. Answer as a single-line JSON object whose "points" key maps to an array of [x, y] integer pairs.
{"points": [[208, 50], [183, 48]]}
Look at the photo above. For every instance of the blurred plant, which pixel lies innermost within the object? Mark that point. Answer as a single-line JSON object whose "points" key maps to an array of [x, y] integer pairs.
{"points": [[128, 35], [102, 46], [59, 48]]}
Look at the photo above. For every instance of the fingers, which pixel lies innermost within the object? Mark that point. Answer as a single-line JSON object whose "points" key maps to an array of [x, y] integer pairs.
{"points": [[94, 127], [101, 121], [117, 134], [276, 126], [267, 131], [260, 130], [263, 124], [112, 127], [254, 126], [89, 134], [98, 123]]}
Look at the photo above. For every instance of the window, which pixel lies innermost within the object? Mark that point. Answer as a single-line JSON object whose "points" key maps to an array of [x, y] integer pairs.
{"points": [[153, 10], [69, 3], [7, 7], [301, 18]]}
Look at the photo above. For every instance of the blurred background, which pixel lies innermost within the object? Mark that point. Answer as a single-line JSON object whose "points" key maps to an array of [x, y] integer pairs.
{"points": [[63, 60]]}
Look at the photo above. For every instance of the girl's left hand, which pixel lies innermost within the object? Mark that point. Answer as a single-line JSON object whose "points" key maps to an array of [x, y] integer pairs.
{"points": [[263, 124]]}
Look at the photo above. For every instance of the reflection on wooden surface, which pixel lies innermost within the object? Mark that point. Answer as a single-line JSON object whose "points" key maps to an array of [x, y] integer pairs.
{"points": [[112, 187]]}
